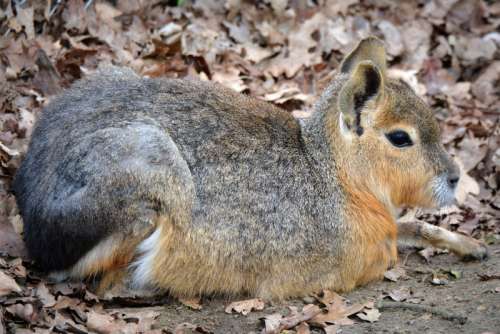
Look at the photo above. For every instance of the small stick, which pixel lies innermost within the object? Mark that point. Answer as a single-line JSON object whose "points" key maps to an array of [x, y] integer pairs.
{"points": [[382, 304], [305, 315]]}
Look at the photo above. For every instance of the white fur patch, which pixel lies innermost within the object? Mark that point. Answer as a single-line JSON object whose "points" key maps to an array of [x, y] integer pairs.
{"points": [[344, 131], [142, 267], [443, 193]]}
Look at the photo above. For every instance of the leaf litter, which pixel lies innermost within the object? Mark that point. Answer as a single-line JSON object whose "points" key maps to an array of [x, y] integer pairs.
{"points": [[280, 51]]}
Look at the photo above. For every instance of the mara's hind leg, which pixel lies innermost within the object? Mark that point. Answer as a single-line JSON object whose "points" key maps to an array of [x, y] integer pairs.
{"points": [[420, 234], [145, 184]]}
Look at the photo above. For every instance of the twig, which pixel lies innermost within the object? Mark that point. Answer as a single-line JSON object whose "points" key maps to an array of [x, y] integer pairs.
{"points": [[305, 315], [383, 304]]}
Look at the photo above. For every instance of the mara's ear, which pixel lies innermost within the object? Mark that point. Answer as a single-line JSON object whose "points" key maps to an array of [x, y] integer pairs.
{"points": [[370, 48], [365, 84]]}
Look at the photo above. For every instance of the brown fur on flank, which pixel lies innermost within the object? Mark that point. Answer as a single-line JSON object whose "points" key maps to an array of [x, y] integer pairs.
{"points": [[188, 187]]}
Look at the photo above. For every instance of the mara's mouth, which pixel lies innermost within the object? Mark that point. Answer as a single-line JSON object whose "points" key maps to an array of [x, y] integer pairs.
{"points": [[442, 192]]}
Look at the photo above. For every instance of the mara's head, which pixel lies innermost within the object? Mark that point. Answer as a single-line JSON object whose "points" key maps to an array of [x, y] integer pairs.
{"points": [[386, 138]]}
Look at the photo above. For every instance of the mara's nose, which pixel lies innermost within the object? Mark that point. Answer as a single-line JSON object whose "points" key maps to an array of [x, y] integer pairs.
{"points": [[453, 180]]}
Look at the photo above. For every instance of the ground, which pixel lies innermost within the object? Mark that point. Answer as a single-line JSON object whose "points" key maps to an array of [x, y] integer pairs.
{"points": [[468, 295], [283, 52]]}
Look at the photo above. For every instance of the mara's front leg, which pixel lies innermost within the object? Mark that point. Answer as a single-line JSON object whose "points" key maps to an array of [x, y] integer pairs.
{"points": [[420, 234]]}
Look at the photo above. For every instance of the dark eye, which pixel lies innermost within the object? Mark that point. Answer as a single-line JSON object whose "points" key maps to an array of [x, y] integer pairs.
{"points": [[399, 138]]}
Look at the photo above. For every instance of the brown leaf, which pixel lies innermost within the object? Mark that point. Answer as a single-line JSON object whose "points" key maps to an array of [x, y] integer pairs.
{"points": [[7, 285], [106, 324], [337, 311], [303, 328], [275, 323], [25, 312], [392, 38], [400, 294], [331, 329], [395, 274], [466, 185], [370, 315], [65, 302], [192, 303], [427, 253], [25, 18], [45, 296], [245, 306], [272, 323], [10, 241]]}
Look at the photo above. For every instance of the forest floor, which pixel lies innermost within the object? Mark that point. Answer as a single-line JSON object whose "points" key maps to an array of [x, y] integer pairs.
{"points": [[283, 52]]}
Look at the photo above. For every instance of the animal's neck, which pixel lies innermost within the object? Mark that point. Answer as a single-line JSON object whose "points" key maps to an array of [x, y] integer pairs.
{"points": [[321, 132]]}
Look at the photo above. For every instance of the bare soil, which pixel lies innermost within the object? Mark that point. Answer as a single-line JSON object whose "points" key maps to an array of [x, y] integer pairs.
{"points": [[468, 295]]}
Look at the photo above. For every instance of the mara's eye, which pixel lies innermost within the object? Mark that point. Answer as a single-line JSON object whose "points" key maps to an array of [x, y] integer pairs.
{"points": [[399, 138]]}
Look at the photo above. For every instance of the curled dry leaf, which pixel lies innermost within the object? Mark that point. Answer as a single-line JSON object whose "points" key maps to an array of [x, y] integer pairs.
{"points": [[337, 311], [26, 312], [276, 323], [245, 306], [427, 253], [400, 294], [303, 328], [106, 324], [43, 293], [272, 323], [7, 284], [466, 185], [370, 315], [395, 274]]}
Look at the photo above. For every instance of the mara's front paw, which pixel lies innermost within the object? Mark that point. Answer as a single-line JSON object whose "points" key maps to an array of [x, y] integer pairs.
{"points": [[473, 250]]}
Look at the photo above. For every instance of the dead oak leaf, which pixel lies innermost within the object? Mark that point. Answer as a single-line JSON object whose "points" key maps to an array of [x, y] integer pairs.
{"points": [[276, 323], [245, 306], [106, 324], [395, 274], [337, 311], [43, 293], [303, 328], [272, 323], [466, 185], [370, 315], [300, 45], [26, 312], [7, 284], [400, 294]]}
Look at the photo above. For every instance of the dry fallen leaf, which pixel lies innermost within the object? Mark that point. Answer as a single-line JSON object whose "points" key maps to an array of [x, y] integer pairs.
{"points": [[106, 324], [26, 312], [337, 311], [276, 323], [246, 306], [395, 274], [370, 315], [400, 294], [45, 296], [7, 284]]}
